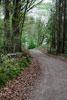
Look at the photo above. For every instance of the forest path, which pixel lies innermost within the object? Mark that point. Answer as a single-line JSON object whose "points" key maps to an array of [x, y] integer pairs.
{"points": [[53, 80]]}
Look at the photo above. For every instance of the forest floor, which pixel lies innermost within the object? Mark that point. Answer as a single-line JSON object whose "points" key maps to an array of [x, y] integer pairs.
{"points": [[44, 79]]}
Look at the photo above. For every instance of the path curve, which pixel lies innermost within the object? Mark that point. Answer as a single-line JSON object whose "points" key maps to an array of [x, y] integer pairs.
{"points": [[53, 81]]}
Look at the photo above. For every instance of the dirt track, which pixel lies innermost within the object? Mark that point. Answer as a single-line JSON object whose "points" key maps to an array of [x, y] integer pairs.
{"points": [[53, 82]]}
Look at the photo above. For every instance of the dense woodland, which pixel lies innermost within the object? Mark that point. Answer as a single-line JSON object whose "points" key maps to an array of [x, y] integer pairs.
{"points": [[33, 24], [12, 21], [18, 30], [29, 24], [14, 12]]}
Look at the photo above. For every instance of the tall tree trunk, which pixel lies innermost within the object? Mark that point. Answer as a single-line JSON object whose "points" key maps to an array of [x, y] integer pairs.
{"points": [[64, 28], [7, 26], [0, 1], [59, 24], [16, 26]]}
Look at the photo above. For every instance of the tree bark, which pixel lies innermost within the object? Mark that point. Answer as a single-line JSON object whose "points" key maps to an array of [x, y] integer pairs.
{"points": [[59, 24], [6, 27], [64, 28], [16, 26]]}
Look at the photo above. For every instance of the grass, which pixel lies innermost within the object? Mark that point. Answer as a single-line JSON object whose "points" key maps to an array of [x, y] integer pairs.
{"points": [[10, 68]]}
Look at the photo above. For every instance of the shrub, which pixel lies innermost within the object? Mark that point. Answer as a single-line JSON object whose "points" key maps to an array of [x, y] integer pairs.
{"points": [[32, 46]]}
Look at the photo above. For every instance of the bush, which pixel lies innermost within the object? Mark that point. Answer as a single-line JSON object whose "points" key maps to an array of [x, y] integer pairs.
{"points": [[32, 46]]}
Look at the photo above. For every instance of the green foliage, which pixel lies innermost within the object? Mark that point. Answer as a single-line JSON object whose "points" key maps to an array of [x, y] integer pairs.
{"points": [[34, 32], [32, 46], [3, 79], [51, 31], [29, 33], [10, 68], [25, 61]]}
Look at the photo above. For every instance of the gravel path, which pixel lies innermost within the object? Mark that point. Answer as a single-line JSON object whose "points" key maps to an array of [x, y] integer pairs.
{"points": [[53, 80]]}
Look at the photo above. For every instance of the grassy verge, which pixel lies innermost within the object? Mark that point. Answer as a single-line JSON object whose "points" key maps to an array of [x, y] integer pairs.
{"points": [[11, 67]]}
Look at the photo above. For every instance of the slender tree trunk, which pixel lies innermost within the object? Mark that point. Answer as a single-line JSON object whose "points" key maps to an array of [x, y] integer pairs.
{"points": [[64, 28], [24, 16], [7, 27], [57, 18], [0, 1], [59, 24]]}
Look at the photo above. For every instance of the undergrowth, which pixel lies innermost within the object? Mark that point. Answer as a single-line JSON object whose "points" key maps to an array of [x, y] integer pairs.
{"points": [[10, 68], [64, 55]]}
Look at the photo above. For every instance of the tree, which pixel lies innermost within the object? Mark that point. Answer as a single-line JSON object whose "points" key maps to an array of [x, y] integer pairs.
{"points": [[64, 27], [7, 26], [20, 10], [16, 18], [61, 7], [15, 13], [40, 32]]}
